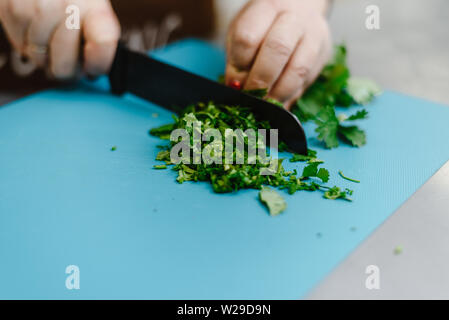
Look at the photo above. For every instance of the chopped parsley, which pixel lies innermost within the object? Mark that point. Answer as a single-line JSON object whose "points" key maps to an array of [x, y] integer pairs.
{"points": [[233, 177], [398, 250], [272, 200]]}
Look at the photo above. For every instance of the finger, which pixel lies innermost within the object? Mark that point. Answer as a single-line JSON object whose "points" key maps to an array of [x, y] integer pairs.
{"points": [[314, 73], [16, 16], [64, 52], [101, 32], [245, 37], [47, 15], [275, 52], [302, 69]]}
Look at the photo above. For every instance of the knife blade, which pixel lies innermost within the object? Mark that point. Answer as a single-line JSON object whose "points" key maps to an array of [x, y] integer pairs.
{"points": [[174, 89]]}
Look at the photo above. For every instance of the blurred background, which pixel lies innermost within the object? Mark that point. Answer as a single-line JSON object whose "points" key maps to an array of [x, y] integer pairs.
{"points": [[409, 53]]}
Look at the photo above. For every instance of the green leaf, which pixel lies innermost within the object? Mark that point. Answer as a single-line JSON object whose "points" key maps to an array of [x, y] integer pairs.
{"points": [[163, 155], [272, 200], [362, 90], [355, 136], [311, 154], [275, 102], [258, 93], [312, 171], [160, 166], [163, 132], [327, 127], [359, 115], [336, 193], [323, 174]]}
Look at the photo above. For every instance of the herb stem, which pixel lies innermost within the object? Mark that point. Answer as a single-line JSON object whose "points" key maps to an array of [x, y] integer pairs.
{"points": [[346, 178]]}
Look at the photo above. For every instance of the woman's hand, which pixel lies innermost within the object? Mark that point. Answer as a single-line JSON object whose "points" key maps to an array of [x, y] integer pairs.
{"points": [[37, 29], [281, 45]]}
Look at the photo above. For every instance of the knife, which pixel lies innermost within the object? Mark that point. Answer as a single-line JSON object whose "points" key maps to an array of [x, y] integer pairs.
{"points": [[174, 89]]}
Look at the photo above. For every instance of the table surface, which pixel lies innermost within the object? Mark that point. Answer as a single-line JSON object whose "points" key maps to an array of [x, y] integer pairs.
{"points": [[408, 54]]}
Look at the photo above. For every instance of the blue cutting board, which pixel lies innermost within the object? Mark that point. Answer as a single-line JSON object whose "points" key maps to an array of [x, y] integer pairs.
{"points": [[67, 199]]}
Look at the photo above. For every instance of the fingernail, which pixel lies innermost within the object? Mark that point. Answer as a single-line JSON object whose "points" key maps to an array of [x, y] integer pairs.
{"points": [[235, 84]]}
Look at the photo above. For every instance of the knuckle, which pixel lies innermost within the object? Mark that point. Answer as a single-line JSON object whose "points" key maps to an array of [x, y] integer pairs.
{"points": [[40, 7], [15, 9], [301, 71], [257, 82], [245, 39], [280, 47]]}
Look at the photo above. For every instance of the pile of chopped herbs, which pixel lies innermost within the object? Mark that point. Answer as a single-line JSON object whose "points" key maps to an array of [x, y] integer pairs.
{"points": [[334, 87]]}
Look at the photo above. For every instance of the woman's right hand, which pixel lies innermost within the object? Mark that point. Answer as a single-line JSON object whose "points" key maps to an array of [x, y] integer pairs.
{"points": [[37, 30]]}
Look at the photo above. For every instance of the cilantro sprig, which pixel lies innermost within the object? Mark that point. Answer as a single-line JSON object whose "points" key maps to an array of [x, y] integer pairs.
{"points": [[335, 87]]}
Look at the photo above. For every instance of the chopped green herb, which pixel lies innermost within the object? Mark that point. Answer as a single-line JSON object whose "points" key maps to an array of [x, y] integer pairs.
{"points": [[311, 154], [272, 200], [335, 193], [397, 250], [160, 166], [233, 177], [113, 148], [312, 171], [258, 93], [362, 90], [349, 179], [275, 102]]}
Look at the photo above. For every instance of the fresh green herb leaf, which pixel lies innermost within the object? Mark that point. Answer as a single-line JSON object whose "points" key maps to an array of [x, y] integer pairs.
{"points": [[113, 148], [272, 200], [163, 155], [334, 87], [359, 115], [258, 93], [353, 135], [336, 193], [160, 166], [327, 127], [311, 154], [312, 171], [163, 132], [362, 90], [398, 250], [323, 174], [275, 102]]}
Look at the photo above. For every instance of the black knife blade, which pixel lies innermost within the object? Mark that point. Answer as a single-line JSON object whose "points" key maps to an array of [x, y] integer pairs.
{"points": [[173, 88]]}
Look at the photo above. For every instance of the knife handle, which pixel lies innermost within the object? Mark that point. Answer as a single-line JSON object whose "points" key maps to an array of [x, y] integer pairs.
{"points": [[118, 72]]}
